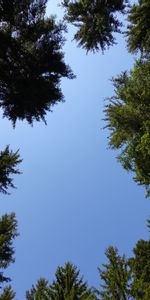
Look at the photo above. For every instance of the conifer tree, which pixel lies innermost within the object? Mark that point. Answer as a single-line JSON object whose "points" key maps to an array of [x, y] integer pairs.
{"points": [[7, 294], [68, 285], [96, 21], [139, 28], [8, 232], [31, 60], [39, 291], [9, 161], [115, 276], [140, 264], [128, 119]]}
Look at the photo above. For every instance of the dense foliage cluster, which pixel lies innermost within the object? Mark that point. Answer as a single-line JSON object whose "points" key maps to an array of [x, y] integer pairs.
{"points": [[96, 21], [8, 231], [141, 270], [125, 279], [31, 60], [115, 276], [128, 117], [139, 27], [32, 65], [7, 294], [9, 161]]}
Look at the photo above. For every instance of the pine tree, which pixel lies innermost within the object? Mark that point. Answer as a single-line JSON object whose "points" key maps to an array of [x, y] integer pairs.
{"points": [[31, 60], [96, 21], [140, 264], [7, 294], [8, 232], [9, 161], [128, 119], [40, 291], [115, 276], [139, 28], [68, 285]]}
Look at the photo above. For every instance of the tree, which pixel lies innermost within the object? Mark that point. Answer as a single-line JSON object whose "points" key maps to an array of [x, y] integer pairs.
{"points": [[140, 264], [7, 294], [96, 21], [128, 119], [68, 285], [8, 231], [40, 291], [139, 27], [8, 165], [116, 276], [31, 60]]}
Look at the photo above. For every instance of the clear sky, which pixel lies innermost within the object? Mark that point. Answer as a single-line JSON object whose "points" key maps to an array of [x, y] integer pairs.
{"points": [[73, 199]]}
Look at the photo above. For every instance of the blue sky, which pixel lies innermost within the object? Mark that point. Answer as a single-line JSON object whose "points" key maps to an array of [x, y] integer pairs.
{"points": [[73, 199]]}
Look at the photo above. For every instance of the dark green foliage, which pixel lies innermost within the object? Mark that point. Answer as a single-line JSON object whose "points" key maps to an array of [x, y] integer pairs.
{"points": [[96, 21], [116, 276], [68, 285], [139, 27], [8, 166], [8, 231], [128, 118], [141, 270], [31, 60], [7, 294]]}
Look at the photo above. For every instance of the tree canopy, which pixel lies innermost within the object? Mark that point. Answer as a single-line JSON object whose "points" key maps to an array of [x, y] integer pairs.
{"points": [[97, 21], [32, 66], [31, 60], [139, 27], [67, 285], [128, 119]]}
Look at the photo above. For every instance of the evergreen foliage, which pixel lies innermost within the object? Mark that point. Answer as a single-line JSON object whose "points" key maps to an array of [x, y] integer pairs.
{"points": [[31, 60], [96, 21], [116, 276], [68, 285], [128, 119], [8, 166], [141, 270], [8, 231], [139, 27], [125, 279], [40, 291], [7, 294]]}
